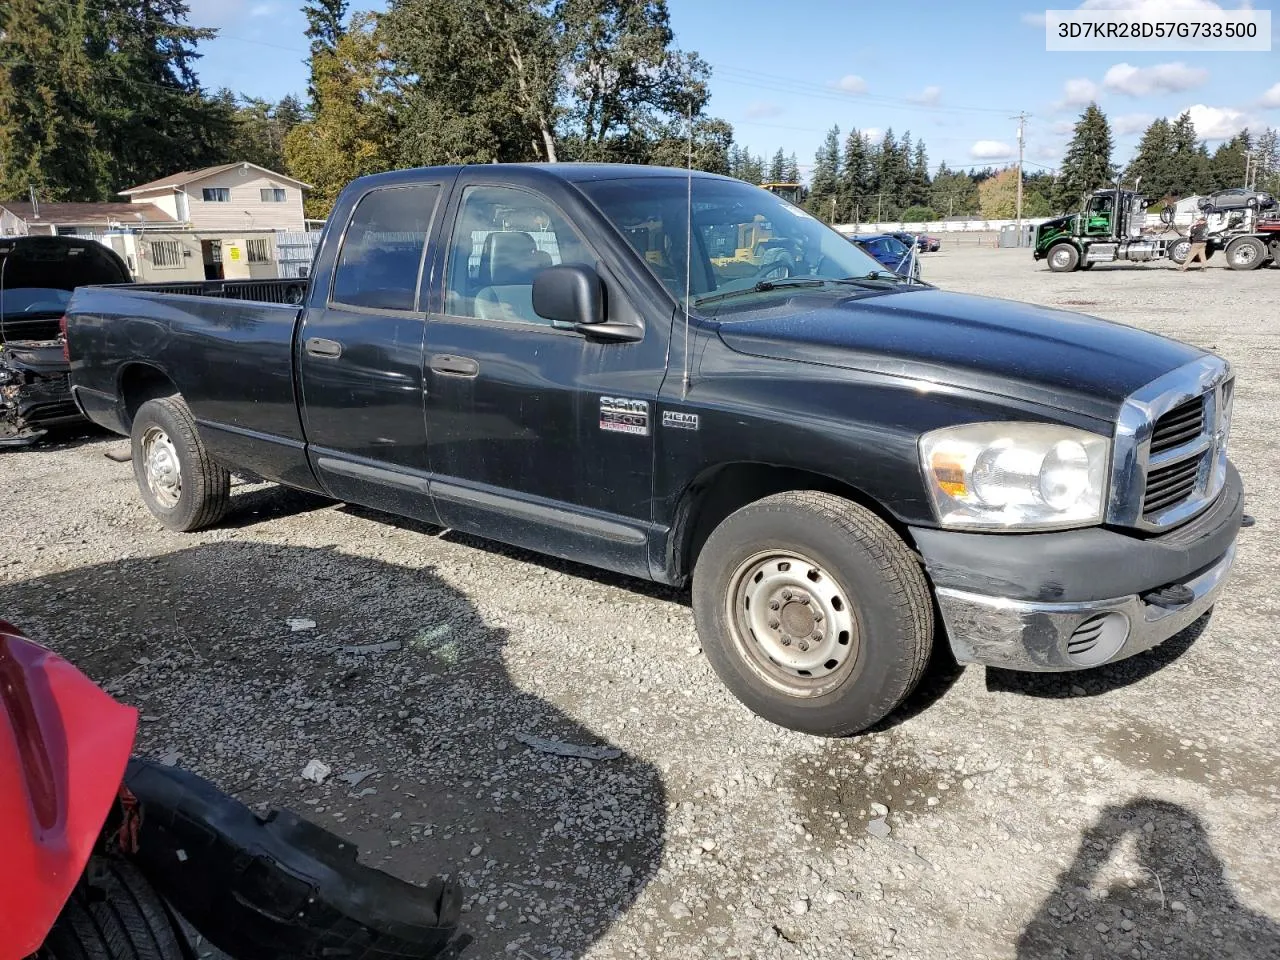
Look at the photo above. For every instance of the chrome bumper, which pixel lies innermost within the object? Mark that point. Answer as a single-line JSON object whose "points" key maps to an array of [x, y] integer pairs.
{"points": [[1019, 635]]}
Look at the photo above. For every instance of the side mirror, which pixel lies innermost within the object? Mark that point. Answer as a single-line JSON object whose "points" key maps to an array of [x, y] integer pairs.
{"points": [[573, 293], [569, 294]]}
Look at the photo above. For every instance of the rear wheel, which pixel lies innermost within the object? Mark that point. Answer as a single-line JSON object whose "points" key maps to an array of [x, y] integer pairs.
{"points": [[1246, 253], [813, 612], [1063, 258], [180, 484], [113, 914]]}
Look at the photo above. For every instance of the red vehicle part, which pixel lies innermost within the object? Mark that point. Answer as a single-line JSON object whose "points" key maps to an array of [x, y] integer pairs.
{"points": [[68, 743]]}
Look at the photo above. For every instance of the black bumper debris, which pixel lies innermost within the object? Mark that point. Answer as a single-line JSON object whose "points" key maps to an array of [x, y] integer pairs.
{"points": [[278, 886]]}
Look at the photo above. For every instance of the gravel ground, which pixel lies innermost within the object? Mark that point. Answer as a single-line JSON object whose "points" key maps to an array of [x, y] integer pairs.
{"points": [[1125, 812]]}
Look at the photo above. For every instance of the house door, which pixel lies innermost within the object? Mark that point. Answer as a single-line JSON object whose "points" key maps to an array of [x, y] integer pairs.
{"points": [[211, 254]]}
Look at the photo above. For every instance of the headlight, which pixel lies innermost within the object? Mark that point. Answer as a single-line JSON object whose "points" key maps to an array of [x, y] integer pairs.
{"points": [[1023, 476]]}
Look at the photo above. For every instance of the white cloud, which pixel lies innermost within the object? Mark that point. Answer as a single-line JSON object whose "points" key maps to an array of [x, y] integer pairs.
{"points": [[763, 109], [1128, 123], [990, 150], [872, 134], [1162, 78], [929, 96], [1078, 92], [1271, 98], [1217, 123], [1151, 6], [852, 83]]}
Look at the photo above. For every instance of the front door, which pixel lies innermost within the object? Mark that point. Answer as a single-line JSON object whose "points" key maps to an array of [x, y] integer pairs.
{"points": [[360, 356], [537, 435]]}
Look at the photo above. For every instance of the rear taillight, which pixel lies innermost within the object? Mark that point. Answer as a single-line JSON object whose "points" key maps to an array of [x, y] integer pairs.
{"points": [[62, 332]]}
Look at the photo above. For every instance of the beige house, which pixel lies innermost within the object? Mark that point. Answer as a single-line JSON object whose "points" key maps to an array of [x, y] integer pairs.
{"points": [[229, 215]]}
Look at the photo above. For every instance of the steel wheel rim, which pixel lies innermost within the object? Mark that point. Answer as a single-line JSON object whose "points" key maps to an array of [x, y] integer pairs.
{"points": [[792, 623], [1061, 258], [1181, 250], [161, 467], [1245, 253]]}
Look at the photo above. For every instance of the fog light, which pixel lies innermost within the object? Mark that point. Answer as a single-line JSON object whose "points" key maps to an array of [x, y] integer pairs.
{"points": [[1097, 639]]}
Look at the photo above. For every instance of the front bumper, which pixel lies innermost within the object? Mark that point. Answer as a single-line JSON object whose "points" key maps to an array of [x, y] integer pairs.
{"points": [[1021, 635], [1074, 599]]}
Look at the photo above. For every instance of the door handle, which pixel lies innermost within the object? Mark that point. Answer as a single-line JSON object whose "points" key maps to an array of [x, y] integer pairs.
{"points": [[452, 366], [320, 347]]}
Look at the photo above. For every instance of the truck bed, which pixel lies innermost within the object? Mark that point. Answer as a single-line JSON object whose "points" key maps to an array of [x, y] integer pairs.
{"points": [[231, 357]]}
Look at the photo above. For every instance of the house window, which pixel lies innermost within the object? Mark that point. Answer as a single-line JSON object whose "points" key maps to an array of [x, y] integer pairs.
{"points": [[259, 250], [216, 194], [166, 253], [273, 194]]}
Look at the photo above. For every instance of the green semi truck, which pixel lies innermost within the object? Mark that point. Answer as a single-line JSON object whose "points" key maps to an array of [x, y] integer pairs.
{"points": [[1111, 226]]}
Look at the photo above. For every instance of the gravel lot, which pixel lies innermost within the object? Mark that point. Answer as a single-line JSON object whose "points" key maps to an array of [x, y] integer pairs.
{"points": [[1123, 812]]}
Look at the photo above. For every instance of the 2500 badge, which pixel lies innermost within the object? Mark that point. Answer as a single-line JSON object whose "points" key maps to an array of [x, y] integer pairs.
{"points": [[622, 415]]}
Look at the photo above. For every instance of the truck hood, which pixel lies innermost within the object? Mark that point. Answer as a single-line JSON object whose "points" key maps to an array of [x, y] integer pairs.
{"points": [[1000, 347]]}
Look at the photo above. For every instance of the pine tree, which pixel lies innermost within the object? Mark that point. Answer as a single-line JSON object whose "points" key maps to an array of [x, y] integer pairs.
{"points": [[1188, 160], [1087, 164], [97, 98], [1268, 152], [919, 194], [1227, 166], [1153, 162], [777, 167], [792, 172], [855, 179], [325, 26], [891, 178], [826, 174]]}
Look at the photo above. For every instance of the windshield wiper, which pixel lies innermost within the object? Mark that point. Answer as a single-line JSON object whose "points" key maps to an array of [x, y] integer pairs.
{"points": [[763, 286], [875, 276]]}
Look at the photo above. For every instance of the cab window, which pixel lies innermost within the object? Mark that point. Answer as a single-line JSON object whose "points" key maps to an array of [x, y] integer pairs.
{"points": [[382, 249], [503, 239]]}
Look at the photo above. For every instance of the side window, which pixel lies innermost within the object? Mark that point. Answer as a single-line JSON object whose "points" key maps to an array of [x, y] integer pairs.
{"points": [[502, 239], [382, 250]]}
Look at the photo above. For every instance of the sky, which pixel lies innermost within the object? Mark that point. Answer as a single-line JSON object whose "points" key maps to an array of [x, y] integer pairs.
{"points": [[953, 73]]}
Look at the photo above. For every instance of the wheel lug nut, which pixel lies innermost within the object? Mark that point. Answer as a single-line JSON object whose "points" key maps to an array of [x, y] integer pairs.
{"points": [[786, 594], [804, 646], [817, 635], [786, 641], [803, 598], [774, 623], [774, 605], [817, 616]]}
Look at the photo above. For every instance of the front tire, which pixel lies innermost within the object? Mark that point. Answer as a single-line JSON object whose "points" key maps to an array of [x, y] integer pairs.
{"points": [[813, 612], [113, 914], [1063, 258], [180, 484], [1179, 251]]}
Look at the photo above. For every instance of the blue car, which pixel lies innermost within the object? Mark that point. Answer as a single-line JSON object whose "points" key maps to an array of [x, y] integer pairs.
{"points": [[890, 251]]}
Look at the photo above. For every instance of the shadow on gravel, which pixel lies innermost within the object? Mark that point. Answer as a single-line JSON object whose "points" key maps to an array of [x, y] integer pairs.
{"points": [[402, 689], [249, 507], [940, 675], [1098, 680], [1174, 904]]}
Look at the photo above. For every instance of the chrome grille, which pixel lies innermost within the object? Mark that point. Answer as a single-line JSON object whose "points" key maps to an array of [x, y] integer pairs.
{"points": [[1170, 455], [1180, 425]]}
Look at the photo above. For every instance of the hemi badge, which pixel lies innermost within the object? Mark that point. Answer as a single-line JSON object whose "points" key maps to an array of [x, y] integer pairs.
{"points": [[680, 420]]}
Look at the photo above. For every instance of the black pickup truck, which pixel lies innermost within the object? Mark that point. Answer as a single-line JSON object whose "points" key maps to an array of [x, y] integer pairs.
{"points": [[573, 359]]}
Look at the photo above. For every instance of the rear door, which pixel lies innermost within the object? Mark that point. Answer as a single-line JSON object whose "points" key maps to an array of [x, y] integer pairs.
{"points": [[360, 356], [538, 435]]}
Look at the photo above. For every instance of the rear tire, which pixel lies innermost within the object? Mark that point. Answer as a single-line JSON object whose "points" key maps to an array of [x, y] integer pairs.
{"points": [[113, 914], [842, 622], [180, 484], [1246, 253], [1063, 258]]}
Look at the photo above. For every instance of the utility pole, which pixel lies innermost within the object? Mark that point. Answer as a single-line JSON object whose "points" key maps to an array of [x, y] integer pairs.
{"points": [[1251, 170], [1022, 122]]}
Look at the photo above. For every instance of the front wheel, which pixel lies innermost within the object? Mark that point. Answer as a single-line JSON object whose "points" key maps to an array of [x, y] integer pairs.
{"points": [[1064, 258], [813, 612], [1179, 251], [180, 484]]}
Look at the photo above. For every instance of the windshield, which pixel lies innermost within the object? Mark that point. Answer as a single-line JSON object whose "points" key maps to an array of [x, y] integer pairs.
{"points": [[29, 300], [742, 235]]}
